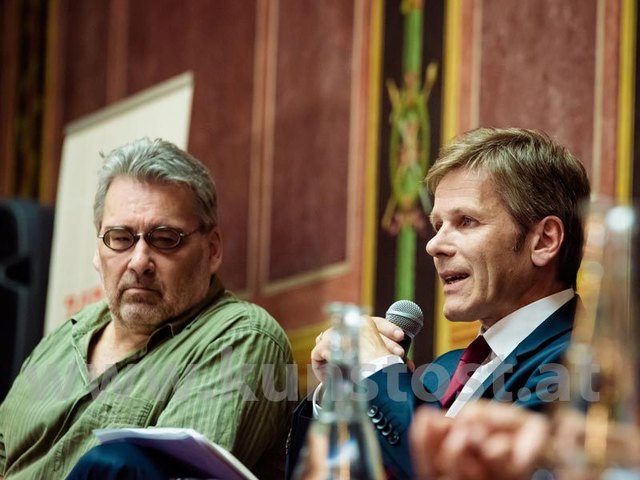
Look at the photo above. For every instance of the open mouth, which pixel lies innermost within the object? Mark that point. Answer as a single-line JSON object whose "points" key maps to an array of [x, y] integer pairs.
{"points": [[451, 279]]}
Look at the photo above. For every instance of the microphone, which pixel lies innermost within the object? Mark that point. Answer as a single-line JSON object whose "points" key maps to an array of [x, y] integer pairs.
{"points": [[408, 316]]}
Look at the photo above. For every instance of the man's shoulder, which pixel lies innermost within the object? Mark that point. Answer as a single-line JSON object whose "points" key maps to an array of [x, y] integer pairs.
{"points": [[240, 311], [87, 316], [237, 314], [552, 335]]}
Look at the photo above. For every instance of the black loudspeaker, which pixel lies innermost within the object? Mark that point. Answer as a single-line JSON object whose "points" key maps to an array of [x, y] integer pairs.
{"points": [[26, 228]]}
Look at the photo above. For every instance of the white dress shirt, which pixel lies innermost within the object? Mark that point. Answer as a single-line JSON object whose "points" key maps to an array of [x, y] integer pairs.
{"points": [[504, 336]]}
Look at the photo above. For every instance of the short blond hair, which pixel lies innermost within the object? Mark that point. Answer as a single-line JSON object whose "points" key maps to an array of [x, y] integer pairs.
{"points": [[534, 176]]}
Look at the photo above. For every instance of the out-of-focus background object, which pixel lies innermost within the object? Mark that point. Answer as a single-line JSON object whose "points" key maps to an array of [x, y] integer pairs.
{"points": [[603, 358], [341, 442], [25, 239]]}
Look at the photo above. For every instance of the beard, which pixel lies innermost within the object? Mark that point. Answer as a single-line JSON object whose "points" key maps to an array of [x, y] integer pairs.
{"points": [[149, 306], [144, 300], [139, 312]]}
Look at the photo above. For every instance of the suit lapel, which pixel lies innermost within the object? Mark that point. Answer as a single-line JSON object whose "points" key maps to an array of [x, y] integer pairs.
{"points": [[437, 375], [558, 324]]}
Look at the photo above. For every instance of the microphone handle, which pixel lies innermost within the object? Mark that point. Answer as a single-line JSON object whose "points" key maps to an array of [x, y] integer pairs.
{"points": [[405, 343]]}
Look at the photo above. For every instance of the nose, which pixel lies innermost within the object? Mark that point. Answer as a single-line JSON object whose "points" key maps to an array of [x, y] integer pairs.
{"points": [[141, 260], [440, 244]]}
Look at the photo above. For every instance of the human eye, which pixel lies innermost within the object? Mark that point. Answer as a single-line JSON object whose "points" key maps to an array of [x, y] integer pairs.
{"points": [[164, 237], [467, 221], [118, 238]]}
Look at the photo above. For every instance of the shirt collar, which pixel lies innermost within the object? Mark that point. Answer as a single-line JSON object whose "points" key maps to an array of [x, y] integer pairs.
{"points": [[216, 290], [506, 334]]}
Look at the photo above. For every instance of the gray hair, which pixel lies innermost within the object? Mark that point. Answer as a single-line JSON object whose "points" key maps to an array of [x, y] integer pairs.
{"points": [[159, 162]]}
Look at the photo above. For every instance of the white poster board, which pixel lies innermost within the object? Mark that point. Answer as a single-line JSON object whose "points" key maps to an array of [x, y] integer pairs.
{"points": [[162, 111]]}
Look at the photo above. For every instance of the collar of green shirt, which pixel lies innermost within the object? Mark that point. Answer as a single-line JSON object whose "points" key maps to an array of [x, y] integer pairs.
{"points": [[83, 331]]}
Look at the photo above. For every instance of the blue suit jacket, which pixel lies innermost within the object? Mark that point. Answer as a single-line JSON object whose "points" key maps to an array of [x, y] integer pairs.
{"points": [[528, 377]]}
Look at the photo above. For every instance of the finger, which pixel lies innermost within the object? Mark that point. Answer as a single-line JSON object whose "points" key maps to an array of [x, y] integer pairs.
{"points": [[457, 448], [459, 454], [393, 347], [507, 438], [530, 443], [496, 450], [319, 358], [324, 336], [428, 429], [498, 456], [385, 330], [320, 353], [388, 329], [372, 344], [494, 416]]}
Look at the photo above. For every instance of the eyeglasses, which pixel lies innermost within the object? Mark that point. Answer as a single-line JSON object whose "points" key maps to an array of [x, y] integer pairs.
{"points": [[120, 239]]}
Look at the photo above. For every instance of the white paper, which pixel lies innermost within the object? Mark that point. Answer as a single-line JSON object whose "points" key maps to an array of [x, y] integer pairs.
{"points": [[184, 444]]}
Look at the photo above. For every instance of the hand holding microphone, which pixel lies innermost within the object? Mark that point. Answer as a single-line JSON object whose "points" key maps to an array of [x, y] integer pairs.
{"points": [[401, 323], [408, 317], [379, 337]]}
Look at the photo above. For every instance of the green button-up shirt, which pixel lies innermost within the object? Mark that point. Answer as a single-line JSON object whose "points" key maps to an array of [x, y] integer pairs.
{"points": [[224, 368]]}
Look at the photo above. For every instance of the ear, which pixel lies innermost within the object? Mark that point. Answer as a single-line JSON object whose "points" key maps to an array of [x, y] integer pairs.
{"points": [[96, 261], [548, 235], [215, 250]]}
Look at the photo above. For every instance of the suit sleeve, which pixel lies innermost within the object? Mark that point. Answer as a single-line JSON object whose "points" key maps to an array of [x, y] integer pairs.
{"points": [[390, 410], [395, 393], [302, 417]]}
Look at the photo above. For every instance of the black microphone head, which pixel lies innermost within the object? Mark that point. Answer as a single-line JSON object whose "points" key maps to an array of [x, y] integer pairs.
{"points": [[407, 315]]}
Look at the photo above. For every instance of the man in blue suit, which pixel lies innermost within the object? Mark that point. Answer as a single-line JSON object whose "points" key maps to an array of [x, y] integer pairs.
{"points": [[507, 247]]}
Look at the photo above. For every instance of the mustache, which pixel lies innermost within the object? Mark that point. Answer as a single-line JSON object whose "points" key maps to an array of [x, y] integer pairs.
{"points": [[130, 281]]}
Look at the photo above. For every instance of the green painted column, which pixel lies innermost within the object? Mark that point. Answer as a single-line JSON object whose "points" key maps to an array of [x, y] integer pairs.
{"points": [[409, 150]]}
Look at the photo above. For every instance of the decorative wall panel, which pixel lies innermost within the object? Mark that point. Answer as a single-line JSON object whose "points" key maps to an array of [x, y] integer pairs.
{"points": [[310, 164], [538, 68], [84, 51]]}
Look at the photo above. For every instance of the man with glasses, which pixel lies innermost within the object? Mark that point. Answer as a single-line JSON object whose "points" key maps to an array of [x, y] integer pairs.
{"points": [[169, 347]]}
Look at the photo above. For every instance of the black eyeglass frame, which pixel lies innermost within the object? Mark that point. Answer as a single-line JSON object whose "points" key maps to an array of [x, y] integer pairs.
{"points": [[147, 237]]}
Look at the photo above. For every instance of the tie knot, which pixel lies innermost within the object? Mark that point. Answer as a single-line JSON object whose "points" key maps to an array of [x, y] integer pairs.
{"points": [[476, 352]]}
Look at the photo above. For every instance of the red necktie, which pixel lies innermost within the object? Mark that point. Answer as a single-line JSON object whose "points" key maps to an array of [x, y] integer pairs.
{"points": [[470, 360]]}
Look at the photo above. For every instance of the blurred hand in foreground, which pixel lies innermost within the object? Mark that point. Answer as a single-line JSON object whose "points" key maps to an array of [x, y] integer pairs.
{"points": [[485, 441]]}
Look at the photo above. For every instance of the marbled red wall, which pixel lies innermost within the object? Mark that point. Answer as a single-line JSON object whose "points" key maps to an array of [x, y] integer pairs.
{"points": [[545, 64], [538, 68]]}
